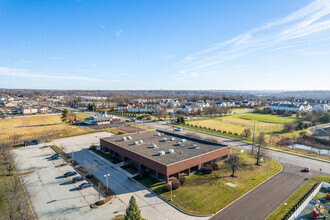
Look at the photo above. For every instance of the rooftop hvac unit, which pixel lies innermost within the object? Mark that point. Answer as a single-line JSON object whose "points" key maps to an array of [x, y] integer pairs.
{"points": [[194, 146], [164, 139], [170, 151], [179, 143], [183, 140], [140, 141], [172, 139], [154, 146], [124, 138], [161, 153], [129, 138], [136, 143]]}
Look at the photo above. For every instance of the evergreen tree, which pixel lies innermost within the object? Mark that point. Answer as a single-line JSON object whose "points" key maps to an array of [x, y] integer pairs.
{"points": [[183, 121], [64, 115], [133, 212]]}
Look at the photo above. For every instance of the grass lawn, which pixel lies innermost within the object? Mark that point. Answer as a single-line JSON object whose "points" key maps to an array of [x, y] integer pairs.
{"points": [[294, 198], [205, 194], [131, 170], [6, 195], [81, 116], [106, 156], [34, 127], [240, 109], [236, 123]]}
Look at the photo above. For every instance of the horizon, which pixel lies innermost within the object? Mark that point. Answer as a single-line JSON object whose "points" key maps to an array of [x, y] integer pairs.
{"points": [[186, 45]]}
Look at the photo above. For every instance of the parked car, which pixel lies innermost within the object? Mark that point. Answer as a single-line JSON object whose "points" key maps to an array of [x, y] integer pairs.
{"points": [[85, 185], [56, 157], [307, 169], [177, 129], [78, 179], [67, 174]]}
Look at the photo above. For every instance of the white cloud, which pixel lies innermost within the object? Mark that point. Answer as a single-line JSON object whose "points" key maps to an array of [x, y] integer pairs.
{"points": [[294, 30], [5, 71], [102, 26], [83, 70], [118, 33]]}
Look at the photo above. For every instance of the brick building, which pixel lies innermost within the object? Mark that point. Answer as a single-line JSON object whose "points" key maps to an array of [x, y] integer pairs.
{"points": [[163, 154]]}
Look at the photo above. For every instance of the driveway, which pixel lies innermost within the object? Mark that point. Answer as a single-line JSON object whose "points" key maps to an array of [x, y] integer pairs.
{"points": [[263, 200], [152, 207]]}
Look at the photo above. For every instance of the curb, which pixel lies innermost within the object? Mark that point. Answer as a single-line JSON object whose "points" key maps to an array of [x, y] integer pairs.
{"points": [[172, 204], [249, 191], [95, 207], [148, 188]]}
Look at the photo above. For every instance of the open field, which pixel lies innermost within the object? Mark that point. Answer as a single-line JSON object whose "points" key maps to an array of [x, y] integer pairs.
{"points": [[294, 198], [236, 123], [34, 127], [205, 194]]}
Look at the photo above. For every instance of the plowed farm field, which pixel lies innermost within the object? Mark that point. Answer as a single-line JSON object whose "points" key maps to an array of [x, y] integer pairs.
{"points": [[26, 128]]}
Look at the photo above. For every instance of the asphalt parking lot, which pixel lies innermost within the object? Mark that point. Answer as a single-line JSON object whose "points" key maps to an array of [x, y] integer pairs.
{"points": [[52, 195]]}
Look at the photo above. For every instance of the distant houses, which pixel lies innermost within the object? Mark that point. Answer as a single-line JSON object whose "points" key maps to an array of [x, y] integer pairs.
{"points": [[100, 118], [289, 106]]}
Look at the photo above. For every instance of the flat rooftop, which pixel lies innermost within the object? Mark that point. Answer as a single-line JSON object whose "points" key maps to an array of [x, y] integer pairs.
{"points": [[183, 152]]}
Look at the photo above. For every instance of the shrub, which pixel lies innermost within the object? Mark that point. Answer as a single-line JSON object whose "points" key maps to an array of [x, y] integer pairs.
{"points": [[182, 180], [176, 184], [207, 169], [215, 166], [167, 187]]}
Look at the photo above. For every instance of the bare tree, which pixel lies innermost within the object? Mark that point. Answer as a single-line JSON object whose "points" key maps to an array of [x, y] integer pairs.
{"points": [[234, 163], [10, 165], [246, 132], [90, 168], [261, 150]]}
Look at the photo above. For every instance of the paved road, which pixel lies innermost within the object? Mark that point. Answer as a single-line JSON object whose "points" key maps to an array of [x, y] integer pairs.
{"points": [[262, 201], [282, 157]]}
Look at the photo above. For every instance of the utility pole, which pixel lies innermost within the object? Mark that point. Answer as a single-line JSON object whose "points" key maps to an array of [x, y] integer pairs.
{"points": [[254, 129], [45, 132]]}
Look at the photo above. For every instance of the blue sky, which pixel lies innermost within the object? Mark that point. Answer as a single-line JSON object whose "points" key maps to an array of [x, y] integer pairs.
{"points": [[186, 44]]}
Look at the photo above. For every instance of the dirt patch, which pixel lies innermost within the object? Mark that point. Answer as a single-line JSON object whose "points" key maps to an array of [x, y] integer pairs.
{"points": [[129, 129]]}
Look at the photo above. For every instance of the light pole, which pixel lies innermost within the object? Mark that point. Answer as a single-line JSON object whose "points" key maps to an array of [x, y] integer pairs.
{"points": [[107, 180], [171, 189]]}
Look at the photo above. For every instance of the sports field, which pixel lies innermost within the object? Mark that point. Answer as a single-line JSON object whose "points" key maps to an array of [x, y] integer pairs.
{"points": [[33, 127], [236, 123]]}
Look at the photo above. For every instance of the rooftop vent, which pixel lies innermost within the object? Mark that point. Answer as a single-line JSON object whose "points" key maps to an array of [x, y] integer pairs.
{"points": [[136, 143], [158, 134], [140, 141], [183, 140], [154, 146], [170, 151], [124, 139], [194, 146], [161, 153], [129, 138], [164, 139], [179, 143], [172, 139]]}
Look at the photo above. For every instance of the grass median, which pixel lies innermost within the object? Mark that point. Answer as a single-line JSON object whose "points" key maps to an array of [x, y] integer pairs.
{"points": [[205, 194]]}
